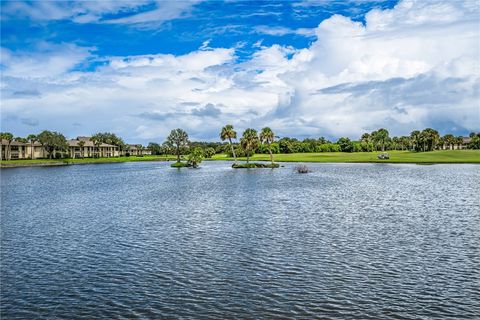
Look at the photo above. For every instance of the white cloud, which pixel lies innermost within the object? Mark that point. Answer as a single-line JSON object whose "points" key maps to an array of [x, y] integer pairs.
{"points": [[281, 31], [164, 11], [142, 13], [407, 68]]}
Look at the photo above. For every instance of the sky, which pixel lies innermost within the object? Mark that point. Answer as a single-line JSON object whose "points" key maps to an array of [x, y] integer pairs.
{"points": [[304, 68]]}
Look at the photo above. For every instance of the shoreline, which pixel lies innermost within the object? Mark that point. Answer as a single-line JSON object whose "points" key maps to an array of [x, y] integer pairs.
{"points": [[431, 158]]}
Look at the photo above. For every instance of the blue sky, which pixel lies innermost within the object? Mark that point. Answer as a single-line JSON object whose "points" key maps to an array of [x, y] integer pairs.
{"points": [[305, 68]]}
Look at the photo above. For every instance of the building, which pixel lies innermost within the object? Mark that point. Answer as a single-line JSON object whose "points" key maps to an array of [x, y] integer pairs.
{"points": [[21, 150], [83, 147], [136, 150], [456, 146], [77, 148]]}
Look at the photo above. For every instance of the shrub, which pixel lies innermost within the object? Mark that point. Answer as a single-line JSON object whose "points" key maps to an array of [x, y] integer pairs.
{"points": [[179, 165], [209, 152]]}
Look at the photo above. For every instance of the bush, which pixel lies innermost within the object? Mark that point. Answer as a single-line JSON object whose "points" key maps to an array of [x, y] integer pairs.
{"points": [[345, 145], [179, 165], [195, 157], [209, 152]]}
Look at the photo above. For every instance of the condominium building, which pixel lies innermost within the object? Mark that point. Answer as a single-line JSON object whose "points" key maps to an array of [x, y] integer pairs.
{"points": [[77, 148]]}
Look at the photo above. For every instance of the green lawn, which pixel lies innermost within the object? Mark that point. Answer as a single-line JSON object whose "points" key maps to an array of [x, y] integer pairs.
{"points": [[443, 156], [85, 160]]}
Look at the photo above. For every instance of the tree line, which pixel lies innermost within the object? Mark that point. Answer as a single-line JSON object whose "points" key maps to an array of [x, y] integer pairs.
{"points": [[264, 142]]}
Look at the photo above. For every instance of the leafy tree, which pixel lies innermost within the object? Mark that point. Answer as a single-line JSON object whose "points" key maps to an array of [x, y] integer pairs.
{"points": [[366, 138], [178, 141], [228, 133], [249, 142], [209, 152], [195, 157], [109, 138], [267, 137], [9, 137], [154, 148], [345, 145], [475, 142], [52, 141], [32, 138], [322, 140], [288, 145]]}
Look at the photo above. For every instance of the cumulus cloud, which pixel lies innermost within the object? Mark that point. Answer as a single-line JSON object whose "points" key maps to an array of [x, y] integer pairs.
{"points": [[407, 68]]}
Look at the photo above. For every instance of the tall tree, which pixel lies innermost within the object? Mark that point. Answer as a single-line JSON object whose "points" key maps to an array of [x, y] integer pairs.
{"points": [[267, 137], [81, 144], [178, 140], [228, 133], [32, 138], [449, 140], [52, 141], [381, 138], [249, 142], [97, 142], [430, 139], [110, 138], [9, 137], [459, 142], [415, 139]]}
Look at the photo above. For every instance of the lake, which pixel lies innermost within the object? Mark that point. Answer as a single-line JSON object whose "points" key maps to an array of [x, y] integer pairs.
{"points": [[143, 240]]}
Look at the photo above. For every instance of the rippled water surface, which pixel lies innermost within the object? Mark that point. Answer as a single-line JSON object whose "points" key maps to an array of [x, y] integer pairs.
{"points": [[142, 240]]}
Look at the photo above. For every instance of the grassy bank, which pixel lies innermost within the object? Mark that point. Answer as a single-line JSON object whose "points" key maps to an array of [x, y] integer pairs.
{"points": [[47, 162], [441, 156]]}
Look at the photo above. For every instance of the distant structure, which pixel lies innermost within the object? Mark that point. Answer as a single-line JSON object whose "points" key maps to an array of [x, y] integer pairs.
{"points": [[23, 150]]}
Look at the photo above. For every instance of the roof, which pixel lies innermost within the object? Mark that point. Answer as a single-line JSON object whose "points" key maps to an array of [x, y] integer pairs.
{"points": [[88, 143], [132, 146], [18, 143], [71, 143]]}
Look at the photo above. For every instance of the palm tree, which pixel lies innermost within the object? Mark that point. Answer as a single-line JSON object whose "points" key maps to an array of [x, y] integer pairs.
{"points": [[430, 138], [267, 136], [178, 140], [229, 133], [415, 139], [449, 140], [381, 137], [459, 141], [32, 138], [249, 141], [9, 137], [97, 143], [81, 144]]}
